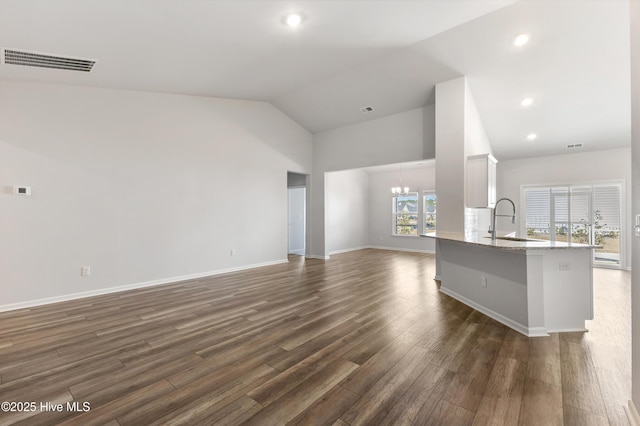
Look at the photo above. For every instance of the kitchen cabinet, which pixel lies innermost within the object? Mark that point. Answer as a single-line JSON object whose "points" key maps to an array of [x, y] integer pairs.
{"points": [[481, 181]]}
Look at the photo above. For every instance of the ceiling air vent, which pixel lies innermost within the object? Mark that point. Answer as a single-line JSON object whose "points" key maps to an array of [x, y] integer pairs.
{"points": [[366, 109], [30, 59], [574, 145]]}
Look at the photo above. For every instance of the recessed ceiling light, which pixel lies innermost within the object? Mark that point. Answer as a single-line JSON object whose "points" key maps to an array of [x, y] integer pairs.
{"points": [[532, 136], [526, 102], [292, 19], [521, 40]]}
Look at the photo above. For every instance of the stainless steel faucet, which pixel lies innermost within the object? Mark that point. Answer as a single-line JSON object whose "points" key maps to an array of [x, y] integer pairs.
{"points": [[492, 231]]}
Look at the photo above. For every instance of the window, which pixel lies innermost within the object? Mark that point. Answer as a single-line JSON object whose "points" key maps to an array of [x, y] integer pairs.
{"points": [[429, 211], [412, 218], [588, 214], [405, 214]]}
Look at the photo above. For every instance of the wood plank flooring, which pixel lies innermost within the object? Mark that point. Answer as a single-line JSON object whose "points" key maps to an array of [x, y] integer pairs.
{"points": [[365, 338]]}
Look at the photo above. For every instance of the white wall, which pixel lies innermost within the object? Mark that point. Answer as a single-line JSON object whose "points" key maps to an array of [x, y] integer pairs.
{"points": [[585, 167], [392, 139], [347, 207], [142, 187], [459, 134], [476, 141], [450, 154], [429, 132], [359, 210], [380, 208]]}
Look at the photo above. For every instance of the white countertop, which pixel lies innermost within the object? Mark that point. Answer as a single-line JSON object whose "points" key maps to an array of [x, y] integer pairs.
{"points": [[506, 244]]}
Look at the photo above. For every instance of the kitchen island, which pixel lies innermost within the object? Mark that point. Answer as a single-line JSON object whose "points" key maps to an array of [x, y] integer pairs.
{"points": [[533, 286]]}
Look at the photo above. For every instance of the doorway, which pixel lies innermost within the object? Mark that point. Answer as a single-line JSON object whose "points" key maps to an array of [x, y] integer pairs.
{"points": [[297, 213]]}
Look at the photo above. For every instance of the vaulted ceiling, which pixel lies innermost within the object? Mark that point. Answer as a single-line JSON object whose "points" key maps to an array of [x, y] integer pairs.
{"points": [[349, 54]]}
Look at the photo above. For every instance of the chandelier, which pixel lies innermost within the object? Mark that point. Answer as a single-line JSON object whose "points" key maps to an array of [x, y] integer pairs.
{"points": [[400, 190]]}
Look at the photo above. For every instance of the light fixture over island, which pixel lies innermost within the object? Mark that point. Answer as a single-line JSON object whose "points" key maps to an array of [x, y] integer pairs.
{"points": [[533, 286]]}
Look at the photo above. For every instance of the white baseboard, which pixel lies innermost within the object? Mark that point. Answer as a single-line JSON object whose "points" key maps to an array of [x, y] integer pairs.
{"points": [[381, 248], [527, 331], [403, 249], [348, 250], [99, 292], [632, 414], [310, 256], [315, 256], [567, 330]]}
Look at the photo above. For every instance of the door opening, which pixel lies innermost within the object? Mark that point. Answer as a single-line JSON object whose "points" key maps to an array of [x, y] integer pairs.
{"points": [[297, 213]]}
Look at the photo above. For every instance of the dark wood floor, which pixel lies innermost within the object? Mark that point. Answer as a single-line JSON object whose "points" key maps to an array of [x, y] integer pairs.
{"points": [[364, 338]]}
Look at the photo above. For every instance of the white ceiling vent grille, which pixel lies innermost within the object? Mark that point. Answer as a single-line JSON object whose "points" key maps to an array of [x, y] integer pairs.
{"points": [[574, 145], [366, 109], [30, 59]]}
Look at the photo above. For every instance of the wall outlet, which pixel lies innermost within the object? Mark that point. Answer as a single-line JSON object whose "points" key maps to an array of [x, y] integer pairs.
{"points": [[564, 266], [483, 281], [22, 190], [85, 271], [232, 252]]}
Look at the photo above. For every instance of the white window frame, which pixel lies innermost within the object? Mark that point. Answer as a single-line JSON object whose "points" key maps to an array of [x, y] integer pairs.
{"points": [[395, 214], [622, 209], [423, 220]]}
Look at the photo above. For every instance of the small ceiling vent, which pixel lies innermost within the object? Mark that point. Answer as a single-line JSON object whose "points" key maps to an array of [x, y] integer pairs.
{"points": [[574, 145], [30, 59], [366, 109]]}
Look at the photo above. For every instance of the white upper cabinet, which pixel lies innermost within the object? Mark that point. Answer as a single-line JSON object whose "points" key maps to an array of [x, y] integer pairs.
{"points": [[480, 186]]}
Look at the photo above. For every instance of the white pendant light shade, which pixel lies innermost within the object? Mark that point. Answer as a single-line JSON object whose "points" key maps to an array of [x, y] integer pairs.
{"points": [[399, 190]]}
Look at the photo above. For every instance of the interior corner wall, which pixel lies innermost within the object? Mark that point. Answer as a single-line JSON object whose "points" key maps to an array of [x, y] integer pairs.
{"points": [[142, 187], [586, 167], [391, 139], [347, 199], [476, 141]]}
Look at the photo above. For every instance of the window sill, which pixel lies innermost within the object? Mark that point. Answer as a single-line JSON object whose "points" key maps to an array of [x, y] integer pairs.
{"points": [[405, 236]]}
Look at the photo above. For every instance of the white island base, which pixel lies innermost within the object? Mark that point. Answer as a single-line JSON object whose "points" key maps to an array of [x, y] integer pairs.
{"points": [[533, 287]]}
